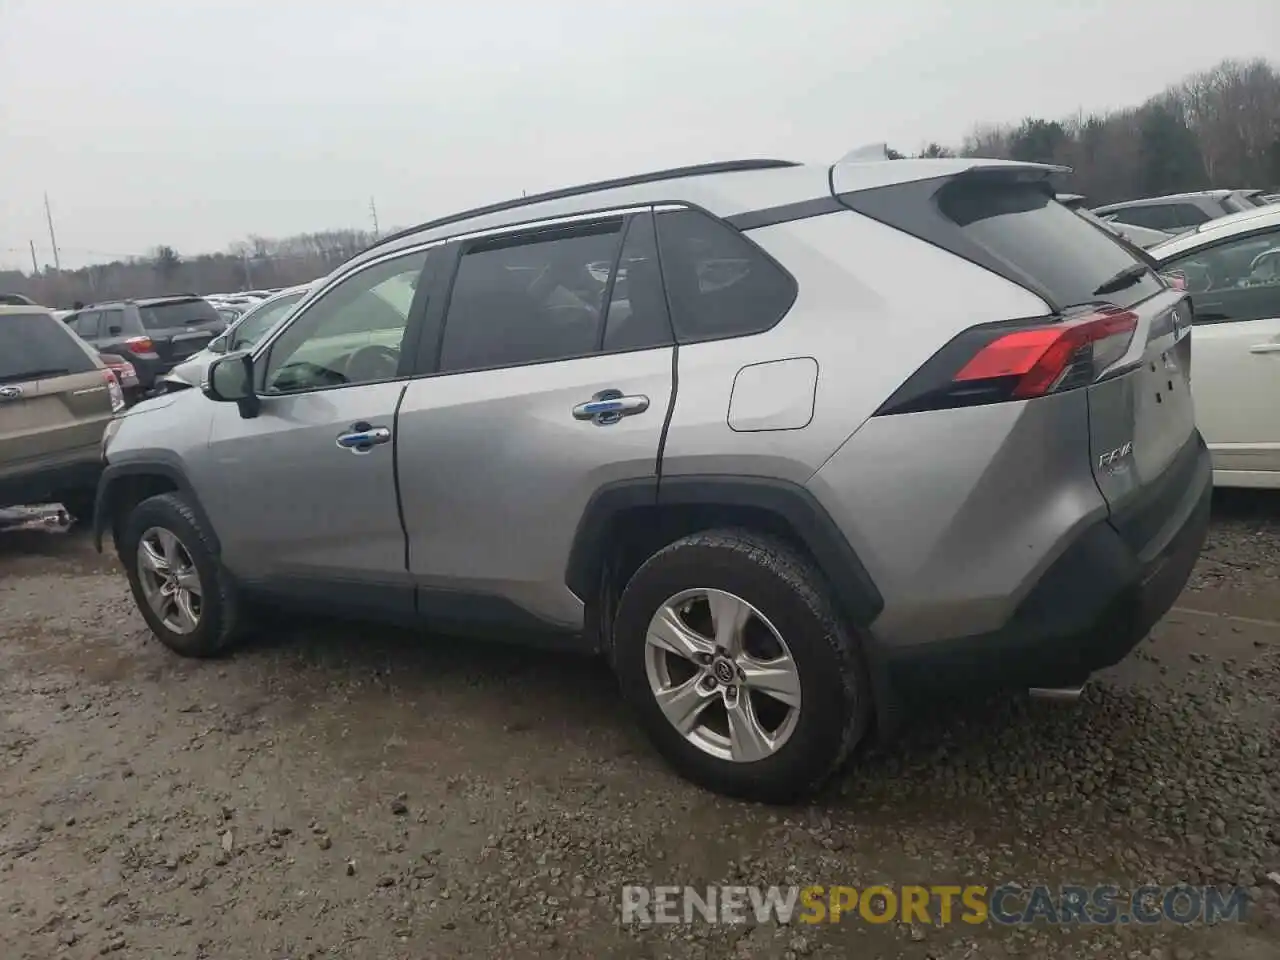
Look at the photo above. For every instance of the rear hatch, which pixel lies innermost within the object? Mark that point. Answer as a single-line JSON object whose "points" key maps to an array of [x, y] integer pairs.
{"points": [[180, 326], [1119, 332], [54, 394]]}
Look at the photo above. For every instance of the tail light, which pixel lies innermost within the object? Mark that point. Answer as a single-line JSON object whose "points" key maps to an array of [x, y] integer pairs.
{"points": [[114, 391], [1003, 362], [140, 345]]}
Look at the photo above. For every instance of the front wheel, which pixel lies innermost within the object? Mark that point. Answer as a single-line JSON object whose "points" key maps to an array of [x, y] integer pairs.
{"points": [[742, 672], [187, 599]]}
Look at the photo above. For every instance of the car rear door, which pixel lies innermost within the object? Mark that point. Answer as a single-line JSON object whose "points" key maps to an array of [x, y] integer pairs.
{"points": [[547, 375]]}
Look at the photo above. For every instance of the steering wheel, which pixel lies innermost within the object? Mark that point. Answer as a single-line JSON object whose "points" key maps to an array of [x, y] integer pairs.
{"points": [[372, 363]]}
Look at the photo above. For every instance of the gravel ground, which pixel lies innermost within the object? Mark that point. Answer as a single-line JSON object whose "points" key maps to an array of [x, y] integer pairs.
{"points": [[347, 791]]}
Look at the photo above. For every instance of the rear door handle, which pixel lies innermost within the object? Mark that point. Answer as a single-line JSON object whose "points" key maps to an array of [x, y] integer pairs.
{"points": [[1265, 348], [363, 437], [610, 406]]}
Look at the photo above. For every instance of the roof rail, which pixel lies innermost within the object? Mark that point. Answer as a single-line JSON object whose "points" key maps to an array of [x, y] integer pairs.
{"points": [[675, 173]]}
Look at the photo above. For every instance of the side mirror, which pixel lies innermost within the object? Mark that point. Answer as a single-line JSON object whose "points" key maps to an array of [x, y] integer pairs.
{"points": [[230, 380], [218, 345]]}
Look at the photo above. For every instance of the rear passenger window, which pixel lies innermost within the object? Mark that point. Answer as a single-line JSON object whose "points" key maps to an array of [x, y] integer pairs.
{"points": [[530, 297], [719, 283]]}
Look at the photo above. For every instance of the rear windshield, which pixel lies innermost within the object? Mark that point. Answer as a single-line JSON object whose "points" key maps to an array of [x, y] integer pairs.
{"points": [[34, 345], [1063, 255], [178, 313]]}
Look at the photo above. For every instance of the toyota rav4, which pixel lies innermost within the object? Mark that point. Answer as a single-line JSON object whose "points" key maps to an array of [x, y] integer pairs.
{"points": [[783, 442]]}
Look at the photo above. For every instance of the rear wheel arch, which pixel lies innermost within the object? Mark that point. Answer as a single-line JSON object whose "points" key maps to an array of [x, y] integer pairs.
{"points": [[628, 521]]}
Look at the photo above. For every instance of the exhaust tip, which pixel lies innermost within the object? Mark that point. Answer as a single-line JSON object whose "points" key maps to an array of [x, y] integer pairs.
{"points": [[1057, 694]]}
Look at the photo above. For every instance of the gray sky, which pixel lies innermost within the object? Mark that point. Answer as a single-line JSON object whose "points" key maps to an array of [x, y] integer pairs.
{"points": [[198, 122]]}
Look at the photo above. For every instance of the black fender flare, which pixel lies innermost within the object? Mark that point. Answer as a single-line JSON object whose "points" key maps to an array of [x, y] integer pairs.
{"points": [[114, 473], [808, 520]]}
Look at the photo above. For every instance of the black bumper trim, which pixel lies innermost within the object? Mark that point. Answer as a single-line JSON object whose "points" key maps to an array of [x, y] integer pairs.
{"points": [[1091, 607]]}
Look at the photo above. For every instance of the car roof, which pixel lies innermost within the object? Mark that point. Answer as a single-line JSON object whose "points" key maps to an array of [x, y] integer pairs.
{"points": [[724, 188], [7, 309], [1214, 230]]}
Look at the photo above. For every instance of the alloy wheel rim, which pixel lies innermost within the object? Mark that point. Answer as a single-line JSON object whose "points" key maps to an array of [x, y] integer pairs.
{"points": [[722, 675], [170, 581]]}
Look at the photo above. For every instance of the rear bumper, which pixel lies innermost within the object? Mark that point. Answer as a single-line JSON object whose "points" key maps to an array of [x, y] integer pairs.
{"points": [[1093, 605], [47, 482]]}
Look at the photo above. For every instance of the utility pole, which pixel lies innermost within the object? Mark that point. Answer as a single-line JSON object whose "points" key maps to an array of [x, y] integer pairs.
{"points": [[373, 212], [35, 266], [248, 273], [53, 240]]}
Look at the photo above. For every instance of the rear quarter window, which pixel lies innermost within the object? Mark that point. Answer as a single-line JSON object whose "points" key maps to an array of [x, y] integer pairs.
{"points": [[34, 345], [178, 313], [719, 283]]}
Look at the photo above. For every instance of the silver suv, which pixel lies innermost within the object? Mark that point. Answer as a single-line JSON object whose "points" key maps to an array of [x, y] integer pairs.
{"points": [[786, 443]]}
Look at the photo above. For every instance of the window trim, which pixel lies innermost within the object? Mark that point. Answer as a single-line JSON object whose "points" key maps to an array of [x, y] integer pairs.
{"points": [[1242, 236], [412, 331]]}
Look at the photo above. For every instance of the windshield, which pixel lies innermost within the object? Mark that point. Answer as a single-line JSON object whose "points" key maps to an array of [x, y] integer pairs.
{"points": [[257, 322], [177, 313]]}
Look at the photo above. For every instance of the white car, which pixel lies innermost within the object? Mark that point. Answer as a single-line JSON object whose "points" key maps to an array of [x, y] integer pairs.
{"points": [[243, 333], [1231, 266]]}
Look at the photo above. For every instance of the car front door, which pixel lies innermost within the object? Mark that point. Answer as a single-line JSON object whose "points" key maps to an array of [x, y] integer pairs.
{"points": [[549, 376], [1236, 354], [306, 503]]}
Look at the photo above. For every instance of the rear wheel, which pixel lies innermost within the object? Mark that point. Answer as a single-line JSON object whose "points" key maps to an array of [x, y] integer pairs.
{"points": [[187, 599], [742, 673]]}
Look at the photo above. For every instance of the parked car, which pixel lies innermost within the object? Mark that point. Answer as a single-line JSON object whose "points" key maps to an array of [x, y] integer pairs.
{"points": [[56, 398], [16, 300], [1179, 212], [1138, 236], [154, 334], [777, 480], [126, 376], [229, 312], [1231, 267], [252, 325]]}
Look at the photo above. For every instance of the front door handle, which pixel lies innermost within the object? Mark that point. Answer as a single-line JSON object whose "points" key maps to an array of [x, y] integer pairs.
{"points": [[610, 406], [363, 437], [1265, 348]]}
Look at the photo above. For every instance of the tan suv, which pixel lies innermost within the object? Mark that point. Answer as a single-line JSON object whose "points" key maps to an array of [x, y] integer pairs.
{"points": [[56, 398]]}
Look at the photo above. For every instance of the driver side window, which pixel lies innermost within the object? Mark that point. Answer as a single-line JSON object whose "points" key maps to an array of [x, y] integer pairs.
{"points": [[351, 334]]}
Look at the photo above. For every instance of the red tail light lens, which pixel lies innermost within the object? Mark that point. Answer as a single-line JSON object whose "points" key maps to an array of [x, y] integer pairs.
{"points": [[1000, 362], [1045, 359], [114, 391], [140, 345]]}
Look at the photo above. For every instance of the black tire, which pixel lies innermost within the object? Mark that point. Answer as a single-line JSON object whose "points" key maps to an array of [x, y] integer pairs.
{"points": [[219, 622], [80, 504], [791, 592]]}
